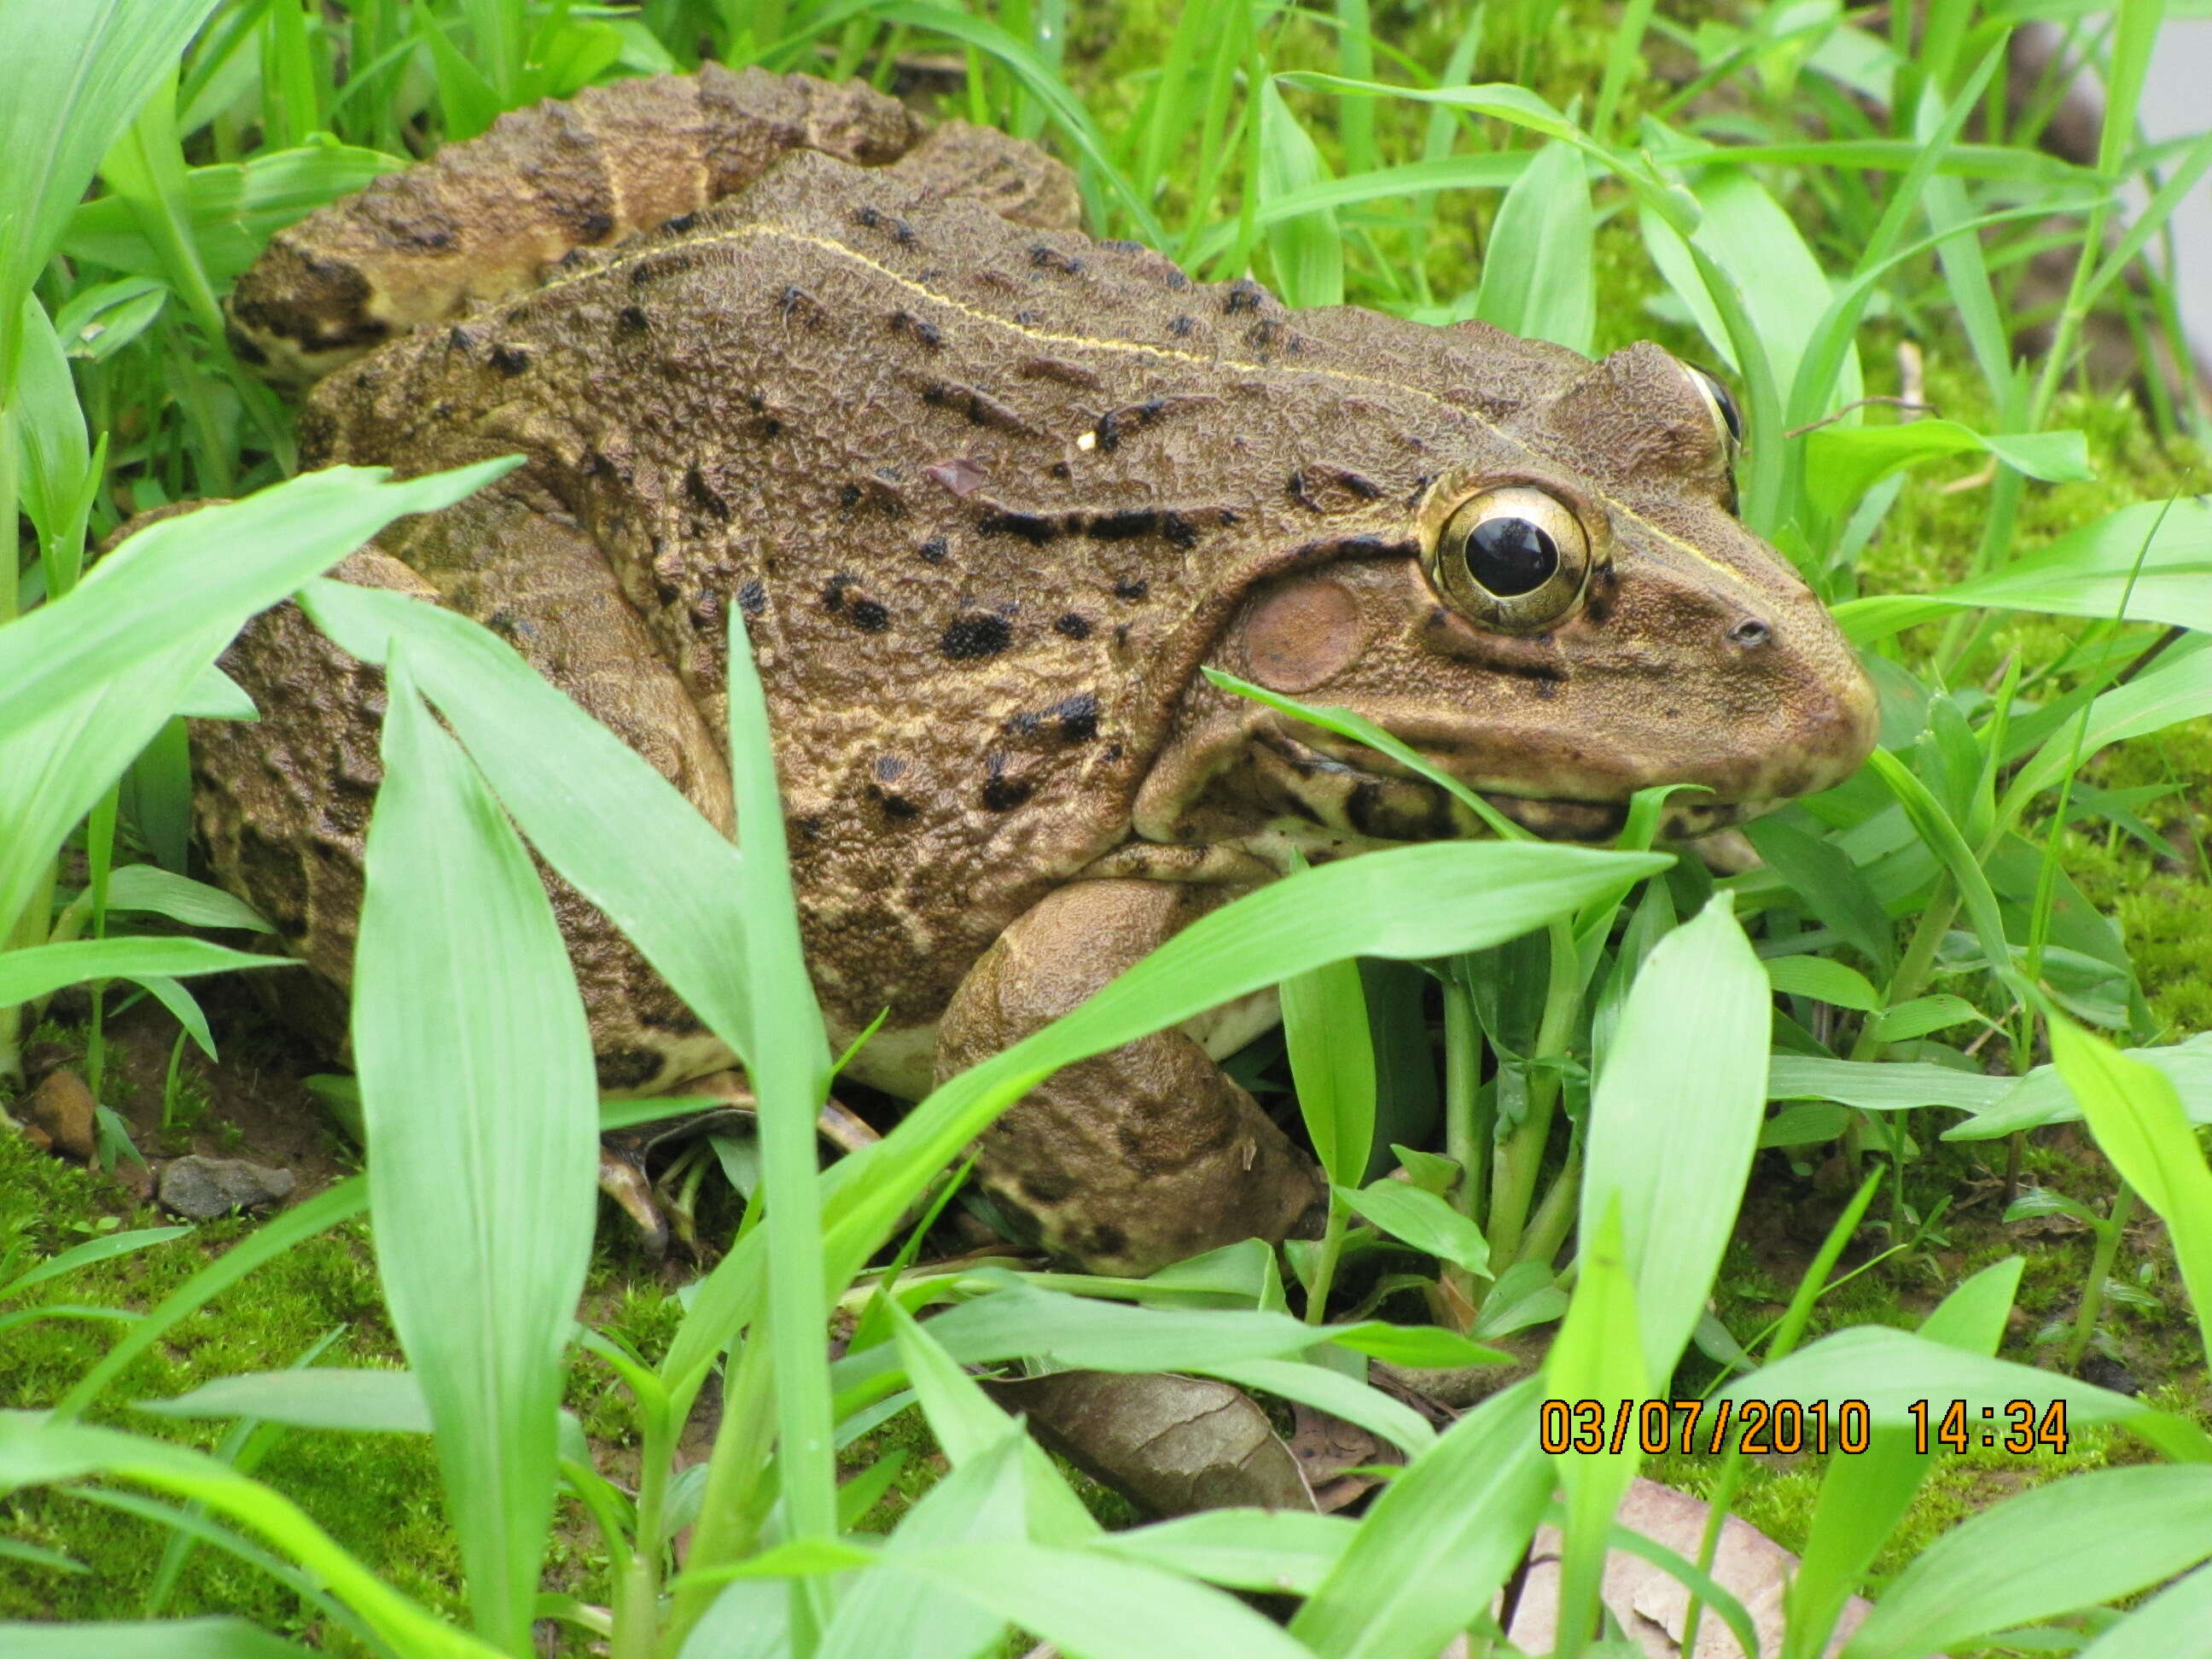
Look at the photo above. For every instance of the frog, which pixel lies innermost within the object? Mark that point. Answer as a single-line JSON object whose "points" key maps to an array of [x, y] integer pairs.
{"points": [[989, 497]]}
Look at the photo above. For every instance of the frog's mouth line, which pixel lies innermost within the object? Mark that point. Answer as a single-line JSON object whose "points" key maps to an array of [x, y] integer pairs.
{"points": [[1373, 798]]}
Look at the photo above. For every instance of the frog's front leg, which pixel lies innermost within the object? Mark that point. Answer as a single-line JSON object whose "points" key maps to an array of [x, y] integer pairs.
{"points": [[1136, 1157]]}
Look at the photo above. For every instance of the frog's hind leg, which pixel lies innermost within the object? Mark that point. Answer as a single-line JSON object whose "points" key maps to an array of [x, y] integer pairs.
{"points": [[1139, 1157]]}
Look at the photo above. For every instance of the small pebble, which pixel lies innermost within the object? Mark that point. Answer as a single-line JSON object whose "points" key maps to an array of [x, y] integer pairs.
{"points": [[61, 1110], [202, 1189]]}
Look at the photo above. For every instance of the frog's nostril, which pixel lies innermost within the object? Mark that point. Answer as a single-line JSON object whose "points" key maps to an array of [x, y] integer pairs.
{"points": [[1749, 632]]}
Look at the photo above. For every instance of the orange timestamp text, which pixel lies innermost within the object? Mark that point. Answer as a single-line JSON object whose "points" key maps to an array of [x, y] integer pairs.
{"points": [[2019, 1426], [1656, 1426]]}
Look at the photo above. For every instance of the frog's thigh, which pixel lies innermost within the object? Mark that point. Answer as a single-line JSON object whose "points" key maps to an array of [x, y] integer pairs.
{"points": [[1136, 1157], [283, 803]]}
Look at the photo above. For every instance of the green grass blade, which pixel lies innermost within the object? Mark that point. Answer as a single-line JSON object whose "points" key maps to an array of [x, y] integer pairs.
{"points": [[1537, 278], [1332, 1053], [2135, 1114], [44, 969], [97, 1250], [1281, 1551], [2171, 1623], [1863, 1496], [788, 1062], [229, 209], [1090, 1603], [1410, 903], [1599, 1354], [2156, 555], [481, 1116], [162, 1638], [2071, 1544], [1307, 250], [87, 680], [329, 1397], [326, 1210], [584, 798], [37, 1450], [93, 64], [1935, 827], [1439, 1541], [2176, 688], [1674, 1118]]}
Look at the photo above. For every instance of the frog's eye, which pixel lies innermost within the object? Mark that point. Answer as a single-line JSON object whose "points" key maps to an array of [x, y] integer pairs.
{"points": [[1726, 417], [1514, 558]]}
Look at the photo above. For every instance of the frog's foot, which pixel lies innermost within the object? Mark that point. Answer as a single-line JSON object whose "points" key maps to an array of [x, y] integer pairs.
{"points": [[647, 1170], [1134, 1158]]}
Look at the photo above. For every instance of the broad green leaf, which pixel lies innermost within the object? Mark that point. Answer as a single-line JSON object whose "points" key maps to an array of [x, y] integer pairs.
{"points": [[1439, 1541], [1410, 903], [2042, 1095], [1842, 462], [1330, 1390], [585, 798], [2074, 1543], [231, 208], [1863, 1495], [2176, 688], [1748, 236], [2175, 1624], [1282, 1551], [1332, 1051], [44, 969], [1882, 1087], [1422, 1220], [481, 1112], [99, 321], [1917, 1018], [150, 888], [1674, 1118], [968, 1424], [1821, 877], [980, 1502], [2135, 1114], [1941, 834], [1599, 1354], [1807, 1123], [81, 72], [329, 1397], [1085, 1333], [1894, 1370], [97, 1250], [87, 680], [56, 456], [1824, 980], [161, 1638], [38, 1449], [1087, 1602], [1537, 265], [2155, 555], [1308, 251]]}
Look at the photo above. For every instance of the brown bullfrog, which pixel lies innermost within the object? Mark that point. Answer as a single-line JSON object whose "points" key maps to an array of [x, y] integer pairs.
{"points": [[988, 493]]}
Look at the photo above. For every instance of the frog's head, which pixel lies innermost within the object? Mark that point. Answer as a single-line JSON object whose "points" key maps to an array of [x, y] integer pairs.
{"points": [[1568, 613]]}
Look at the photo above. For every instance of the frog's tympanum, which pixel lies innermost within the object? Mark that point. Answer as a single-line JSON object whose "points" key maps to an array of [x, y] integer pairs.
{"points": [[988, 494]]}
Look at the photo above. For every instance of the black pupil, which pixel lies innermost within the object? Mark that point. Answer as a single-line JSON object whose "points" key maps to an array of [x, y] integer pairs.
{"points": [[1510, 557]]}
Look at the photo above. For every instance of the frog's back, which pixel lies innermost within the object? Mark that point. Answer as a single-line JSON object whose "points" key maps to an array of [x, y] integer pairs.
{"points": [[985, 493]]}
